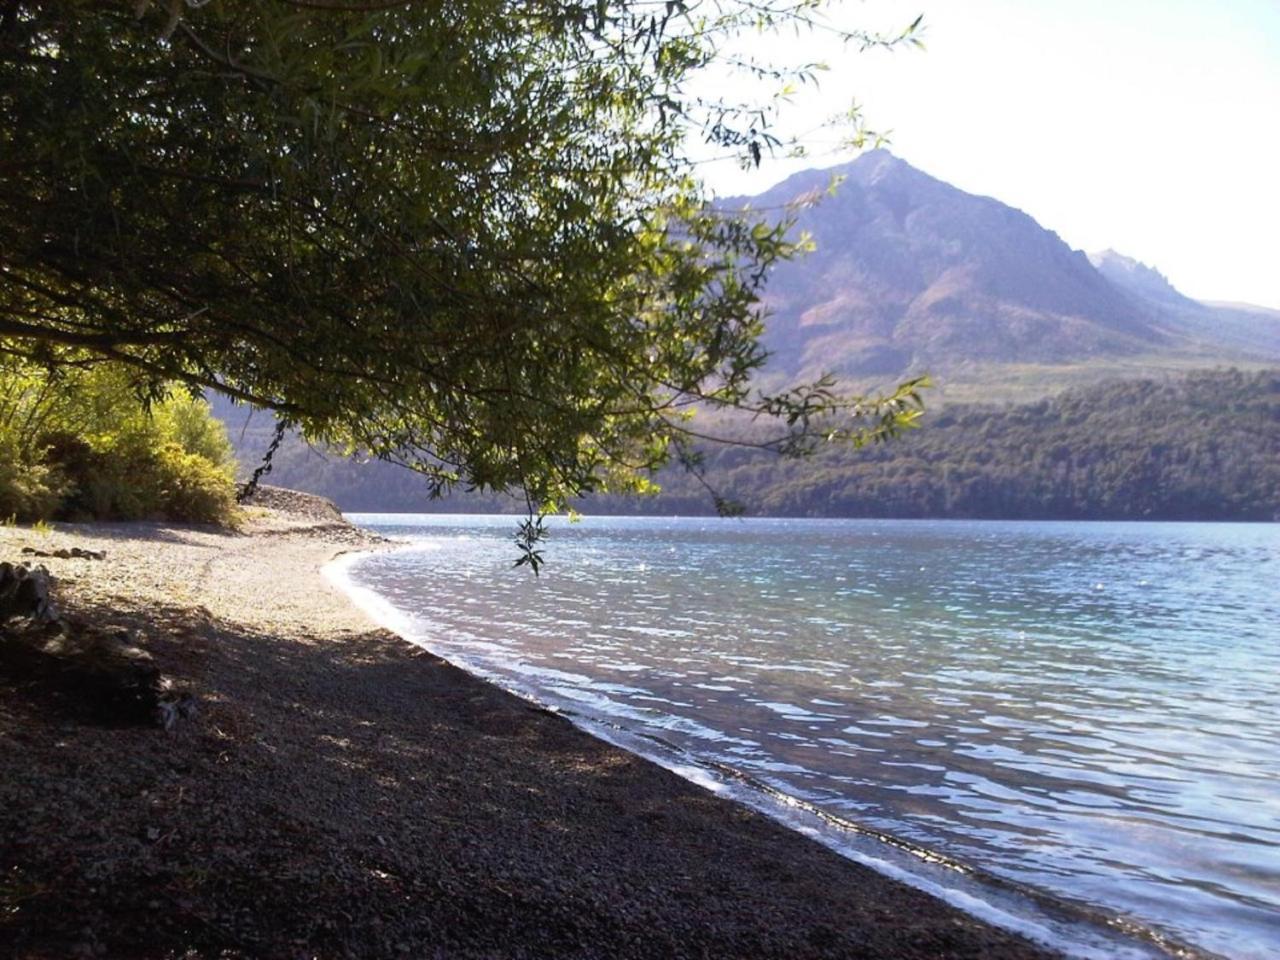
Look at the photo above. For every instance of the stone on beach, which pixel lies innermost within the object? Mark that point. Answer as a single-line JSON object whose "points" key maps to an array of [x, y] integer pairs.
{"points": [[25, 592], [99, 671], [65, 553]]}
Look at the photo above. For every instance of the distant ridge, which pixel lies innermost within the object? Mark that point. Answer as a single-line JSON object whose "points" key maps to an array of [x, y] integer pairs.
{"points": [[1138, 278], [912, 274], [1214, 327], [1205, 446]]}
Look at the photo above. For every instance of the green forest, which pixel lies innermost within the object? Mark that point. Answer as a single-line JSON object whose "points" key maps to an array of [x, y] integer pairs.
{"points": [[1201, 447]]}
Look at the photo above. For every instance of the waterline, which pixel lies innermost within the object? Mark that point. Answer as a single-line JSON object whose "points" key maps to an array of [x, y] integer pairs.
{"points": [[605, 713], [1086, 710]]}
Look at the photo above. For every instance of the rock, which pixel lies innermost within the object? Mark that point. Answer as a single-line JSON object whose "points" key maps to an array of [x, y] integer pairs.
{"points": [[104, 672], [166, 715], [97, 671], [66, 553], [25, 592], [174, 707], [295, 503]]}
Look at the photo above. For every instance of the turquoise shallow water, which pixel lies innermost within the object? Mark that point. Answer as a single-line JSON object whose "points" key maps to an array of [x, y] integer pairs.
{"points": [[1088, 709]]}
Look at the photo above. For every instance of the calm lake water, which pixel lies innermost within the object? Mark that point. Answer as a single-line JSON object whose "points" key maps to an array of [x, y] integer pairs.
{"points": [[1087, 709]]}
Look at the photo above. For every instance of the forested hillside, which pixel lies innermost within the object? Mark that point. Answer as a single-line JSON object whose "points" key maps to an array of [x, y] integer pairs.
{"points": [[1204, 447]]}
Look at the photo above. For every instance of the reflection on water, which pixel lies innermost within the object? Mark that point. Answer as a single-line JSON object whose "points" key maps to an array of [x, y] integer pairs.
{"points": [[1092, 709]]}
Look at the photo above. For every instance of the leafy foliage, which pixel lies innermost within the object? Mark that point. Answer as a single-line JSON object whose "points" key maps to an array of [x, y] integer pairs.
{"points": [[462, 237], [28, 491], [532, 532], [80, 444]]}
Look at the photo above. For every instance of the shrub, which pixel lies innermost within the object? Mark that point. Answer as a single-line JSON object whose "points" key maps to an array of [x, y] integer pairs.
{"points": [[188, 422], [132, 477], [86, 447], [192, 488], [28, 491]]}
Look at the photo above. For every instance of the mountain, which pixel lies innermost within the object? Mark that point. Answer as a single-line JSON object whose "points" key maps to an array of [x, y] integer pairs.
{"points": [[1252, 331], [1140, 280], [911, 274]]}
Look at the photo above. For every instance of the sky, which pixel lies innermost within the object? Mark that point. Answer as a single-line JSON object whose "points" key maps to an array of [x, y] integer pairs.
{"points": [[1148, 126]]}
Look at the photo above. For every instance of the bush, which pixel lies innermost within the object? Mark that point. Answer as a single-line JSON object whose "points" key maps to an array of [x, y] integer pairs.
{"points": [[124, 482], [28, 491], [100, 454], [194, 489], [131, 477], [188, 422]]}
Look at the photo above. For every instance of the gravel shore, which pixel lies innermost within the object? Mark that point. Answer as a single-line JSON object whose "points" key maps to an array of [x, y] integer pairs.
{"points": [[342, 793]]}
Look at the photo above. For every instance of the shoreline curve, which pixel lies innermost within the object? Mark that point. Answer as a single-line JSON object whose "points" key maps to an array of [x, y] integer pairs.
{"points": [[1074, 930]]}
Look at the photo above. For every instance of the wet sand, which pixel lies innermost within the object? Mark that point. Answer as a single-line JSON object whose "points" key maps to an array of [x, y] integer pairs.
{"points": [[342, 793]]}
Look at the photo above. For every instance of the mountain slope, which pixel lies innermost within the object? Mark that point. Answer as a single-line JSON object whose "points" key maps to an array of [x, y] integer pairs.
{"points": [[911, 273], [1253, 331]]}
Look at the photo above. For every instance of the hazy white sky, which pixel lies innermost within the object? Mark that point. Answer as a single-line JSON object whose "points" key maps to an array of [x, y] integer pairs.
{"points": [[1149, 126]]}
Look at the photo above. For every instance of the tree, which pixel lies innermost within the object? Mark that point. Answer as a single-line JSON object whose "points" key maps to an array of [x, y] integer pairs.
{"points": [[464, 236]]}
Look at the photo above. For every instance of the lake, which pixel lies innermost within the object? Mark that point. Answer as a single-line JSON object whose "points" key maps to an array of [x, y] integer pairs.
{"points": [[1085, 710]]}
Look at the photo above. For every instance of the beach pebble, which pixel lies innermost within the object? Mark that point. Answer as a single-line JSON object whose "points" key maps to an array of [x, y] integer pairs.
{"points": [[25, 592]]}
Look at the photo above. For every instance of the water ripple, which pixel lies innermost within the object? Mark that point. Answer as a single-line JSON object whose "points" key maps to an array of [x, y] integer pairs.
{"points": [[1092, 709]]}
